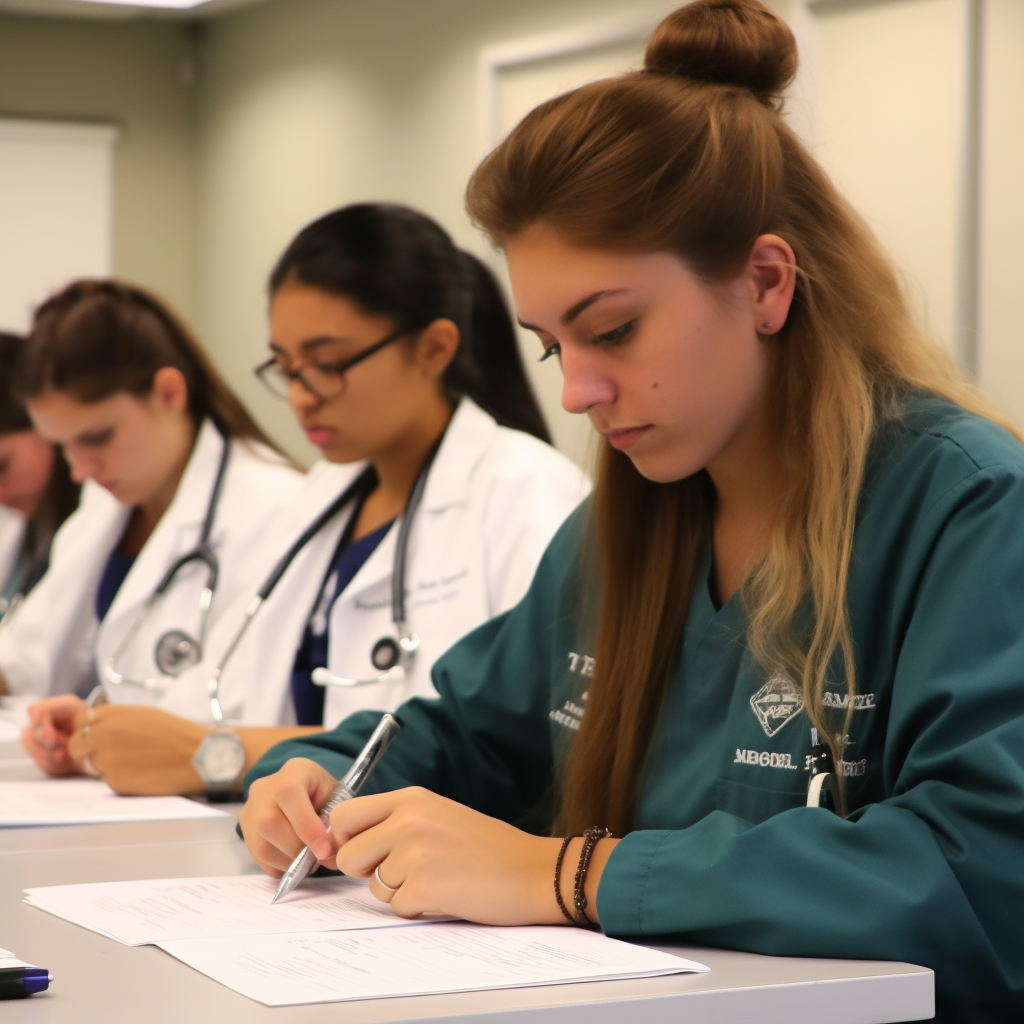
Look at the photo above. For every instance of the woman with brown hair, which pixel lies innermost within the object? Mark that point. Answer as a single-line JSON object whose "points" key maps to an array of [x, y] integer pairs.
{"points": [[179, 483], [803, 561]]}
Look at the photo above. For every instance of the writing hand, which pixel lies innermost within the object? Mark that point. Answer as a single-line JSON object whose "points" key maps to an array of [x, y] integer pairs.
{"points": [[434, 854], [280, 816]]}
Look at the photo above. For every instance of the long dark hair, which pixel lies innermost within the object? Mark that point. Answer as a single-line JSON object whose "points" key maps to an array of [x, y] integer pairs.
{"points": [[396, 262], [94, 339], [61, 497]]}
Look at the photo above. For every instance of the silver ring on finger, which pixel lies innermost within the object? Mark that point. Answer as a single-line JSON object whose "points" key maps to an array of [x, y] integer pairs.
{"points": [[89, 768], [85, 732], [382, 883]]}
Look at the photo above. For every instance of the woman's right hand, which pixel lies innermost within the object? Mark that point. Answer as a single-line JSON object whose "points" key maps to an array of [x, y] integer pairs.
{"points": [[280, 817], [51, 723]]}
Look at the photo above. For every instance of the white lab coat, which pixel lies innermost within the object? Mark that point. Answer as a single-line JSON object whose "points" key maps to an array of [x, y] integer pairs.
{"points": [[12, 532], [493, 500], [54, 643]]}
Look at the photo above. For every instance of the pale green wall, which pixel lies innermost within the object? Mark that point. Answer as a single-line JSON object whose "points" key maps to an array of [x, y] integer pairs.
{"points": [[310, 104], [127, 74], [303, 105]]}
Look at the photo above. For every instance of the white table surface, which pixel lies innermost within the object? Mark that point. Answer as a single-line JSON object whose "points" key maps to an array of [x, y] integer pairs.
{"points": [[98, 979]]}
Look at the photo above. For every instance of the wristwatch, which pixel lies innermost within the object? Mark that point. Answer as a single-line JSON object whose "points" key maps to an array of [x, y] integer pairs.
{"points": [[219, 760]]}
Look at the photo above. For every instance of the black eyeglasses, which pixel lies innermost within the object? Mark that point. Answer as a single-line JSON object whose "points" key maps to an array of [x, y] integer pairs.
{"points": [[323, 380]]}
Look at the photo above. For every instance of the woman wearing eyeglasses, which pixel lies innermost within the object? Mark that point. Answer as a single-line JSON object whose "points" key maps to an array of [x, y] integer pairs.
{"points": [[178, 485], [398, 356]]}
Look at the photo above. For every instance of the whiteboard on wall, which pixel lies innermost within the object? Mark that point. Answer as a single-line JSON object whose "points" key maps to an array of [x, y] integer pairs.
{"points": [[56, 210]]}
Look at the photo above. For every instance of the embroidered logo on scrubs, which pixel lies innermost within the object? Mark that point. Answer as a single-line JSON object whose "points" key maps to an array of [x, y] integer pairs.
{"points": [[570, 715], [776, 703]]}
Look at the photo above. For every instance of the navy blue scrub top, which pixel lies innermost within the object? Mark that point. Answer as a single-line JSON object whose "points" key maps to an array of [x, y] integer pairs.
{"points": [[117, 568], [312, 653]]}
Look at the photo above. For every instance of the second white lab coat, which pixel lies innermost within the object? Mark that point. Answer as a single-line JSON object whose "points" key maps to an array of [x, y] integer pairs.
{"points": [[55, 644], [12, 533], [493, 500]]}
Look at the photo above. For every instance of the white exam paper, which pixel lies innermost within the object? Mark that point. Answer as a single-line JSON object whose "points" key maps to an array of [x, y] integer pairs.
{"points": [[88, 801], [287, 970], [137, 913], [9, 960]]}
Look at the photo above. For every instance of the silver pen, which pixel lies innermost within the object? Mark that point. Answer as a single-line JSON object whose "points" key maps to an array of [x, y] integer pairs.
{"points": [[349, 787]]}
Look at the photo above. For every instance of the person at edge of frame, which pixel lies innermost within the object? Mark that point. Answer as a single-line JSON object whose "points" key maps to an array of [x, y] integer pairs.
{"points": [[36, 490]]}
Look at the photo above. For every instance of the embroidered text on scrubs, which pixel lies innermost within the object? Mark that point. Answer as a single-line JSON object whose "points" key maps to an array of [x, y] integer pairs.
{"points": [[764, 759], [861, 701], [581, 663]]}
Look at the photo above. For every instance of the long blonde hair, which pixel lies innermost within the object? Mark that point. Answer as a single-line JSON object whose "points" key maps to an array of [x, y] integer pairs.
{"points": [[692, 156]]}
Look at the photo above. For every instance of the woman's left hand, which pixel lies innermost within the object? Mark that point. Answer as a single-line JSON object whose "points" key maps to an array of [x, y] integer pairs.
{"points": [[139, 751], [436, 855]]}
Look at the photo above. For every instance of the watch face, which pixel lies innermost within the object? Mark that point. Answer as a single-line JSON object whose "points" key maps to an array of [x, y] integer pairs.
{"points": [[220, 758]]}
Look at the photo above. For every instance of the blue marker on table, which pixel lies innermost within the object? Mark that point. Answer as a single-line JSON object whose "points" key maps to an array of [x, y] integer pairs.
{"points": [[17, 982]]}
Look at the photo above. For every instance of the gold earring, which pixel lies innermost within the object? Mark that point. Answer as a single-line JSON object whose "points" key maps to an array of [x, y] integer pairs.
{"points": [[766, 326]]}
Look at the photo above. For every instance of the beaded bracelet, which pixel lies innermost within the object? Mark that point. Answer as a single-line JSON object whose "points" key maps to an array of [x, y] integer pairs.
{"points": [[590, 839], [558, 879]]}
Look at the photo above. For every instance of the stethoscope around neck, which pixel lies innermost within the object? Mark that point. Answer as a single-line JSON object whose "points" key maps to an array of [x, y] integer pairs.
{"points": [[391, 656], [177, 650]]}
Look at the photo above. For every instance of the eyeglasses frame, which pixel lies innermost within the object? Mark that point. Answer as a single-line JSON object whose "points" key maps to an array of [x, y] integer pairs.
{"points": [[339, 369]]}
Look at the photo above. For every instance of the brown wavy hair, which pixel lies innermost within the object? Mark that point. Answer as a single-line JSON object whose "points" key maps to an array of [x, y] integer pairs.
{"points": [[691, 156], [96, 338]]}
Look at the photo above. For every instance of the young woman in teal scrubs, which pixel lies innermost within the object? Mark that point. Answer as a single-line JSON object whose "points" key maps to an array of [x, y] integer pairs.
{"points": [[806, 540]]}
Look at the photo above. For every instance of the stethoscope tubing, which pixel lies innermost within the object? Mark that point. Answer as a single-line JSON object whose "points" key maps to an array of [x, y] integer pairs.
{"points": [[202, 552], [359, 488]]}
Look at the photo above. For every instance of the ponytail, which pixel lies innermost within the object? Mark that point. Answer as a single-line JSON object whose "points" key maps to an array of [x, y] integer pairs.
{"points": [[396, 262]]}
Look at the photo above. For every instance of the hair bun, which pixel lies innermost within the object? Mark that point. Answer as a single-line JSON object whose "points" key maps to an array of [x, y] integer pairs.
{"points": [[728, 42]]}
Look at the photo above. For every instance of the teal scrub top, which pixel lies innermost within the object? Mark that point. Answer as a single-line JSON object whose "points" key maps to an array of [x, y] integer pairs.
{"points": [[928, 867]]}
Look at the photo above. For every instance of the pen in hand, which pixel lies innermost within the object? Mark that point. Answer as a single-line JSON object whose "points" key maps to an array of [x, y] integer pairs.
{"points": [[346, 789]]}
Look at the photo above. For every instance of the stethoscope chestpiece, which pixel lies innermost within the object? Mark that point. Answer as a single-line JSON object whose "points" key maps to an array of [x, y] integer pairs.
{"points": [[392, 658], [176, 651], [385, 653]]}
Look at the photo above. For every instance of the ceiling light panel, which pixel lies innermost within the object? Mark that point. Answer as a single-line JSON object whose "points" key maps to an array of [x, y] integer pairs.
{"points": [[176, 4]]}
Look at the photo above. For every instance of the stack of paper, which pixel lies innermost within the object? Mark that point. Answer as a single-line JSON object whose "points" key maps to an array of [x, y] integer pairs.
{"points": [[88, 801], [137, 913], [320, 967], [9, 959], [331, 940]]}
